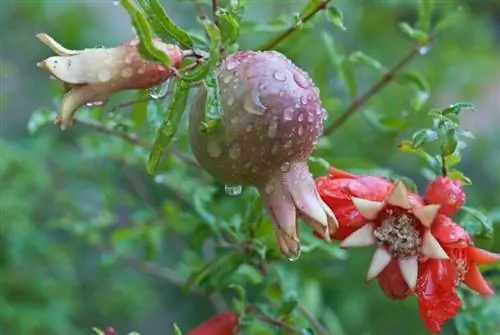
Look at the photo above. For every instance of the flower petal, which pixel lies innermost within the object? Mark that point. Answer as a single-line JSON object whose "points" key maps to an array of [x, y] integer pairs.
{"points": [[362, 237], [367, 208], [399, 196], [431, 247], [482, 257], [409, 270], [474, 280], [380, 260], [426, 214], [56, 47], [76, 98]]}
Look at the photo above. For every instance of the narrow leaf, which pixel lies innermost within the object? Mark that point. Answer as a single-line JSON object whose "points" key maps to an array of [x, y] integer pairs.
{"points": [[146, 46], [335, 16], [423, 136], [457, 108], [416, 34], [407, 146], [168, 25], [209, 268], [425, 14], [419, 83], [169, 126], [229, 26], [450, 142], [359, 56], [177, 330], [212, 104]]}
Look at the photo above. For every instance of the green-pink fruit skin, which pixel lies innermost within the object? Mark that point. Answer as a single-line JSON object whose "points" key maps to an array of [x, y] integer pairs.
{"points": [[271, 118]]}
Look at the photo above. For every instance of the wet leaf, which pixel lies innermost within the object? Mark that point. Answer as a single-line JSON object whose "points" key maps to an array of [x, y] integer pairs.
{"points": [[229, 27], [360, 57], [168, 128], [457, 108], [423, 136], [416, 34], [457, 175], [212, 104], [425, 14], [450, 142], [419, 83], [335, 16], [145, 34]]}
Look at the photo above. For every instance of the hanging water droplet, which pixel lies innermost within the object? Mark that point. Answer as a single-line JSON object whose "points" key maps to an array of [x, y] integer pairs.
{"points": [[279, 75], [423, 50], [288, 113], [158, 91], [233, 190], [294, 256]]}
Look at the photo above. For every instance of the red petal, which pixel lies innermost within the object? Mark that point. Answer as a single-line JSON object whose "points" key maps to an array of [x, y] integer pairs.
{"points": [[474, 280], [482, 257], [449, 233], [220, 324], [370, 188], [439, 309], [392, 283], [336, 173]]}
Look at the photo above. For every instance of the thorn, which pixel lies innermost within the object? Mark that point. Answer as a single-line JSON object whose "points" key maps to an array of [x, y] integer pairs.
{"points": [[427, 214], [409, 270], [399, 196], [367, 208], [380, 260], [362, 237], [431, 247]]}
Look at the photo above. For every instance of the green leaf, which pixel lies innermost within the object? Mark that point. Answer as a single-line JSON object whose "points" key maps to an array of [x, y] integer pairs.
{"points": [[228, 25], [419, 83], [384, 123], [146, 46], [457, 108], [476, 223], [212, 105], [209, 65], [335, 16], [168, 128], [423, 136], [349, 78], [360, 57], [177, 330], [40, 118], [98, 331], [457, 175], [407, 146], [157, 14], [413, 33], [425, 14], [239, 290], [210, 267], [450, 142]]}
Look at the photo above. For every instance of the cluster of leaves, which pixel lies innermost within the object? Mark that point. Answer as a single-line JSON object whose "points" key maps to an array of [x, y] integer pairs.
{"points": [[228, 251]]}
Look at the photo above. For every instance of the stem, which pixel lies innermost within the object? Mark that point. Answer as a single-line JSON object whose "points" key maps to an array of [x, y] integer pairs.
{"points": [[444, 168], [280, 38], [215, 5], [135, 139], [312, 320], [386, 79], [274, 322], [132, 102]]}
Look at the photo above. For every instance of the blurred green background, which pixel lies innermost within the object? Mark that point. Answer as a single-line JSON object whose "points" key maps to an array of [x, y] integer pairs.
{"points": [[74, 205]]}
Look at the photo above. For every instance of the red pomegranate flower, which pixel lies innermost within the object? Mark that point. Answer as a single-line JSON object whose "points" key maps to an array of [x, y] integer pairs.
{"points": [[219, 324], [420, 250]]}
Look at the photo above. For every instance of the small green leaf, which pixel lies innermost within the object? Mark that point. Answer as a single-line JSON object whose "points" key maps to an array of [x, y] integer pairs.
{"points": [[177, 330], [212, 105], [457, 175], [457, 108], [423, 136], [476, 222], [384, 123], [210, 267], [407, 146], [168, 128], [146, 46], [413, 33], [208, 66], [239, 290], [450, 142], [349, 78], [335, 16], [419, 83], [229, 26], [98, 331], [425, 14], [359, 56], [157, 14]]}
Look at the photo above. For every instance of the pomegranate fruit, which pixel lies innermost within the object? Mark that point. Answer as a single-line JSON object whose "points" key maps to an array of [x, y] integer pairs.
{"points": [[271, 119]]}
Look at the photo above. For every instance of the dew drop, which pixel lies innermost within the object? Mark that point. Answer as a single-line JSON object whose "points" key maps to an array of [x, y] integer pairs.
{"points": [[300, 132], [294, 256], [279, 75], [303, 99], [158, 91], [214, 150], [230, 100], [142, 70], [423, 50], [249, 128], [116, 2], [273, 129], [301, 80], [285, 167], [301, 117], [231, 64], [288, 114], [129, 58], [233, 190], [452, 236], [253, 105], [310, 117], [288, 144], [235, 151], [226, 79], [281, 93], [127, 72]]}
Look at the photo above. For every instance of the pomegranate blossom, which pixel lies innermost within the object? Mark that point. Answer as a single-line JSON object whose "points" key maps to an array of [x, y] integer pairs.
{"points": [[271, 119]]}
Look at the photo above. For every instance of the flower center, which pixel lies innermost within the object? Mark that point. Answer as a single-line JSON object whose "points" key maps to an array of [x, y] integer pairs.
{"points": [[397, 233]]}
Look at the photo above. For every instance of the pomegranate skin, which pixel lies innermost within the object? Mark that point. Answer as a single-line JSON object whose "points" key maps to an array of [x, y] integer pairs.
{"points": [[271, 117]]}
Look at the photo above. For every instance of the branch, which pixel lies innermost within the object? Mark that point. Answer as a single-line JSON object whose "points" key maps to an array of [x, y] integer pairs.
{"points": [[133, 102], [274, 322], [312, 320], [135, 139], [278, 39], [215, 5], [386, 79]]}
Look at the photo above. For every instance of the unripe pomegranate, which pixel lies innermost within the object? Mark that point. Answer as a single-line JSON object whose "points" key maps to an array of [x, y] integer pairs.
{"points": [[271, 119], [92, 75], [445, 192], [223, 323]]}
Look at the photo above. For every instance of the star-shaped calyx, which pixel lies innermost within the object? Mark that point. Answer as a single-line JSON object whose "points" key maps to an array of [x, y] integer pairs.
{"points": [[401, 231]]}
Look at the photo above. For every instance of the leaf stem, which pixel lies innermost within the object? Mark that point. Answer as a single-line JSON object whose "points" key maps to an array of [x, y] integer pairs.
{"points": [[444, 168], [386, 79], [312, 320], [280, 38]]}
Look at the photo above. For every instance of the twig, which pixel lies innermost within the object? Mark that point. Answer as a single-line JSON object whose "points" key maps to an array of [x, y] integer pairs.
{"points": [[132, 102], [134, 139], [215, 5], [386, 79], [199, 8], [269, 320], [278, 39], [315, 323], [444, 168]]}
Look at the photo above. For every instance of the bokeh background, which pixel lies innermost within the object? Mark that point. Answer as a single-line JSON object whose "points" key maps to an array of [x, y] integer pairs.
{"points": [[75, 205]]}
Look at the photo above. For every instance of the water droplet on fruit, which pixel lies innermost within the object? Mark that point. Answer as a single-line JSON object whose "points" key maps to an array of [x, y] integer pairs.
{"points": [[281, 93], [294, 256], [310, 117], [279, 75], [288, 144], [273, 129], [285, 167], [235, 151], [253, 105], [301, 80], [231, 64], [301, 117], [233, 190], [288, 114], [158, 91], [300, 132], [214, 150], [249, 129], [303, 99]]}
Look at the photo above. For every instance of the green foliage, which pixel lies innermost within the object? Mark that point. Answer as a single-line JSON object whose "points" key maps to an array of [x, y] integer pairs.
{"points": [[89, 239]]}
